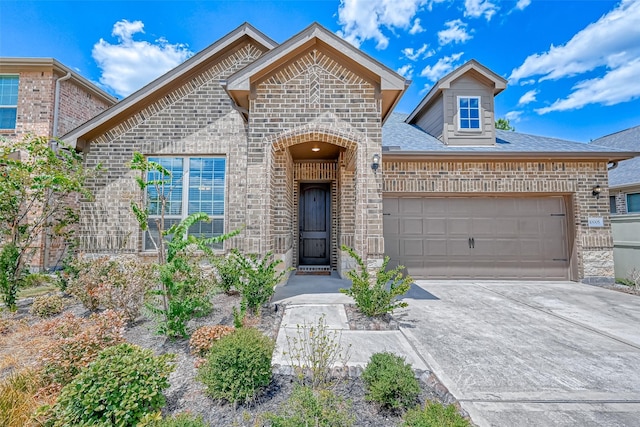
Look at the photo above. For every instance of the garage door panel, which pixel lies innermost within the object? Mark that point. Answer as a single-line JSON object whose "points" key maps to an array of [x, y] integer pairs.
{"points": [[514, 237]]}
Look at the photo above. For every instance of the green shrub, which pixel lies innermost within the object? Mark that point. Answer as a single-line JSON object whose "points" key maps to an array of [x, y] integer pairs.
{"points": [[119, 388], [258, 278], [434, 415], [374, 299], [228, 273], [47, 305], [181, 420], [238, 365], [390, 381], [306, 407]]}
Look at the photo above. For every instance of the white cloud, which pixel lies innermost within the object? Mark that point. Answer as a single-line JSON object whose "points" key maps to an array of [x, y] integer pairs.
{"points": [[478, 8], [363, 20], [528, 97], [442, 67], [417, 28], [129, 64], [455, 32], [611, 41], [528, 82], [415, 54], [619, 85], [522, 4], [513, 116], [406, 71]]}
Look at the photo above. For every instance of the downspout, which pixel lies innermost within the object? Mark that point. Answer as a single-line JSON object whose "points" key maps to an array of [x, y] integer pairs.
{"points": [[54, 144]]}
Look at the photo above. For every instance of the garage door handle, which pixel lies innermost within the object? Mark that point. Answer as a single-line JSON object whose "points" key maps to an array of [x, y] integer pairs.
{"points": [[469, 242], [473, 243]]}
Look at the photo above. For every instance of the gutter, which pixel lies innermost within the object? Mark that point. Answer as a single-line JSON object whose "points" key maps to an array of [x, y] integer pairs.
{"points": [[488, 155]]}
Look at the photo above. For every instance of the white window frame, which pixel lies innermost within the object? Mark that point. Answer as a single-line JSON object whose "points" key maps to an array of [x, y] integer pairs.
{"points": [[469, 129], [185, 193], [11, 107]]}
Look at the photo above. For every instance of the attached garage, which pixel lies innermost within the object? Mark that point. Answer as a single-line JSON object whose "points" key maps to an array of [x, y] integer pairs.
{"points": [[478, 237]]}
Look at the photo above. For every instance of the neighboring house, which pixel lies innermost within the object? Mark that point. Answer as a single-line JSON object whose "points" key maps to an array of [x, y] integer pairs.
{"points": [[41, 96], [624, 201], [299, 144]]}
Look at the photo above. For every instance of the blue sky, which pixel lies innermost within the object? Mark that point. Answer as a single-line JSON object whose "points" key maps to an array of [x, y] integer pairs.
{"points": [[573, 66]]}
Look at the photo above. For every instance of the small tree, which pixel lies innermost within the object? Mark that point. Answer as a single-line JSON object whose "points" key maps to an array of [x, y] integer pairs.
{"points": [[36, 184], [183, 292], [504, 124]]}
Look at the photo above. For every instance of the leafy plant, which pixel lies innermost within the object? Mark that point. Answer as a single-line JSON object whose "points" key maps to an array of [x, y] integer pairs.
{"points": [[47, 305], [237, 366], [375, 297], [119, 388], [183, 293], [258, 278], [204, 337], [434, 415], [77, 342], [36, 182], [228, 273], [314, 351], [390, 381], [306, 407]]}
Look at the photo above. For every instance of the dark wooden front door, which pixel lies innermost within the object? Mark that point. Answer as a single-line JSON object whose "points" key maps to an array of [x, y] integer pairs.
{"points": [[314, 221]]}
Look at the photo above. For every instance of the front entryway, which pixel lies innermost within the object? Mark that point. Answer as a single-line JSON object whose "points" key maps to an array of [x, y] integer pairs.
{"points": [[314, 221]]}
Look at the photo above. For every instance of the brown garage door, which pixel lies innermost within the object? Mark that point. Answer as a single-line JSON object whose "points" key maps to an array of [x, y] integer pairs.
{"points": [[478, 237]]}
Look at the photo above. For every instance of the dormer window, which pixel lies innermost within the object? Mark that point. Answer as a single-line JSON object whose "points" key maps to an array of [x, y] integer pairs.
{"points": [[469, 112]]}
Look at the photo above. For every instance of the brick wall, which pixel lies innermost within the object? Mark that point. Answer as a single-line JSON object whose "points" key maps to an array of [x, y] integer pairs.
{"points": [[196, 118], [593, 247]]}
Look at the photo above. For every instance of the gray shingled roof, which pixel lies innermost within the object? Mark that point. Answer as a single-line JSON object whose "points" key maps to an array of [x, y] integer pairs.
{"points": [[628, 171], [398, 136]]}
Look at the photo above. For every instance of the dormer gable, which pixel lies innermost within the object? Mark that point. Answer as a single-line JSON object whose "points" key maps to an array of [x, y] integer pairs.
{"points": [[459, 108], [389, 85]]}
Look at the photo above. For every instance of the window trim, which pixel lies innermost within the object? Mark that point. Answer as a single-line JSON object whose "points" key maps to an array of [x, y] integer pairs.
{"points": [[458, 109], [11, 107], [185, 192]]}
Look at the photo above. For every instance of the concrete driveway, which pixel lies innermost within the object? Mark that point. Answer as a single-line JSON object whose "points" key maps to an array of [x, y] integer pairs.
{"points": [[532, 353]]}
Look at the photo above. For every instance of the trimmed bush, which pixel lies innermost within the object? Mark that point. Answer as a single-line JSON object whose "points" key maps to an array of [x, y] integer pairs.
{"points": [[306, 407], [203, 338], [434, 415], [376, 296], [119, 388], [47, 306], [390, 381], [238, 366]]}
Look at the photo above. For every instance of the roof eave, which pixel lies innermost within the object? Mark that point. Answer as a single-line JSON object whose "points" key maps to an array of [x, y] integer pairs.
{"points": [[429, 155]]}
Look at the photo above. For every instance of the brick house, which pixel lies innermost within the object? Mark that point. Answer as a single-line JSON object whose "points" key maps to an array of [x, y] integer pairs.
{"points": [[298, 143], [43, 97]]}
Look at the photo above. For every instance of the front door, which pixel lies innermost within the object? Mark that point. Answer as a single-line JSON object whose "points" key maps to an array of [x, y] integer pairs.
{"points": [[314, 221]]}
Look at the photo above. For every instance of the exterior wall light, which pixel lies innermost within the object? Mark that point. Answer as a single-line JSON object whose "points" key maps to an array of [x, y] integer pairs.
{"points": [[596, 191], [375, 162]]}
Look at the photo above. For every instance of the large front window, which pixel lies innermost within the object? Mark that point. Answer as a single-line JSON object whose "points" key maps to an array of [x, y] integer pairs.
{"points": [[469, 112], [8, 101], [197, 185]]}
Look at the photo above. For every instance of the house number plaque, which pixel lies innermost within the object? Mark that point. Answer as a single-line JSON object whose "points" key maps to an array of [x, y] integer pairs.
{"points": [[596, 221]]}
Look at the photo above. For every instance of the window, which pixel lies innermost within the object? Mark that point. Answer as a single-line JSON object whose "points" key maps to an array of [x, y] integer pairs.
{"points": [[612, 205], [633, 203], [469, 112], [8, 101], [197, 185]]}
